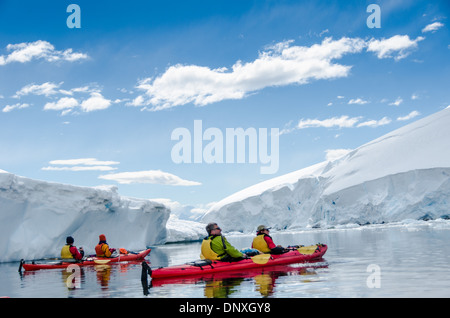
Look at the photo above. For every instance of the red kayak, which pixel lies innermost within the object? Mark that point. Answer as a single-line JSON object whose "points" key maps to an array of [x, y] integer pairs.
{"points": [[205, 267], [272, 271], [129, 257]]}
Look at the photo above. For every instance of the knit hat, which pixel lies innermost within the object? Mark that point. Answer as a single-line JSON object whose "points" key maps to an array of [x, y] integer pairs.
{"points": [[102, 237], [69, 240]]}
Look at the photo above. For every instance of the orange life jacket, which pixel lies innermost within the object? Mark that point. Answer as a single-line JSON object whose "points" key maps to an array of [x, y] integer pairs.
{"points": [[102, 250]]}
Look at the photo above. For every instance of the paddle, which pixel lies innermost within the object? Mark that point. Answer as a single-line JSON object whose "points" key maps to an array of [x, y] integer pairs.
{"points": [[102, 261], [307, 250], [261, 258]]}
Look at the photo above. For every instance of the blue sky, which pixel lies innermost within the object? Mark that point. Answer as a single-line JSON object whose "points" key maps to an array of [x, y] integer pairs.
{"points": [[97, 105]]}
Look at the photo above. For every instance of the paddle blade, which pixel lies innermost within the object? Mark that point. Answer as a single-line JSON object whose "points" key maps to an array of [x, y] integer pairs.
{"points": [[307, 250], [102, 261], [261, 258]]}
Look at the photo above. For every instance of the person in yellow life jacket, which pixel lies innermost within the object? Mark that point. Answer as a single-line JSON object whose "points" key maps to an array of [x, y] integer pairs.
{"points": [[263, 242], [216, 247], [102, 249], [69, 251]]}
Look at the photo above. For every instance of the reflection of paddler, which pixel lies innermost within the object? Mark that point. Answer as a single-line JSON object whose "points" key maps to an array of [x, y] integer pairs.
{"points": [[222, 288], [264, 284], [103, 274]]}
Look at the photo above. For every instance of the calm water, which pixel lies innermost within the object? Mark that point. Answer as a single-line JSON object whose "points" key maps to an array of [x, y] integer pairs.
{"points": [[399, 260]]}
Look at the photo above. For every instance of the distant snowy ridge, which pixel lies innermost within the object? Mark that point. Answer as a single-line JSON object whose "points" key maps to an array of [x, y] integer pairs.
{"points": [[36, 217], [402, 175]]}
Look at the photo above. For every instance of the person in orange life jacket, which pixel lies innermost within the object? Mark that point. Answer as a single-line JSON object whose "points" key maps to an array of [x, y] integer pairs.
{"points": [[102, 249], [263, 242], [69, 251]]}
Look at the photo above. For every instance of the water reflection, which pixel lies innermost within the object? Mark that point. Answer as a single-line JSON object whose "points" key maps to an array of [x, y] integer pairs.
{"points": [[413, 259], [78, 277], [225, 284], [103, 275]]}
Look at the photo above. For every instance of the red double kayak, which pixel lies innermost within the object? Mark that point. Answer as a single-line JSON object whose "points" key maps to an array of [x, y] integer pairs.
{"points": [[205, 267], [129, 257]]}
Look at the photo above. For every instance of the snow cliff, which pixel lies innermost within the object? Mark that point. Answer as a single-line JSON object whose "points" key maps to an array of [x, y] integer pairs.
{"points": [[402, 175], [36, 217]]}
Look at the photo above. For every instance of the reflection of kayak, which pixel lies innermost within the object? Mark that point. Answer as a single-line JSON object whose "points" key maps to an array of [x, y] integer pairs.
{"points": [[88, 261], [202, 267]]}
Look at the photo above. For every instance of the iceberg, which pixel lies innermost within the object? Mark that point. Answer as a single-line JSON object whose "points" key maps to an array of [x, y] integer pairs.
{"points": [[402, 175], [37, 216]]}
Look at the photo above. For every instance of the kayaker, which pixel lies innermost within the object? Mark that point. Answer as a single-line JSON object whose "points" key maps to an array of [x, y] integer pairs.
{"points": [[69, 251], [102, 249], [263, 242], [216, 247]]}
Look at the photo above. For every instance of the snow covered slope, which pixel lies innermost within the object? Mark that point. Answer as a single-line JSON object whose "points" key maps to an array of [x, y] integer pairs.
{"points": [[36, 217], [402, 175]]}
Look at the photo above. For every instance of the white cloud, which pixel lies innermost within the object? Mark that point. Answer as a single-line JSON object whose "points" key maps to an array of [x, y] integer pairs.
{"points": [[9, 108], [81, 164], [45, 89], [80, 168], [83, 89], [150, 176], [62, 103], [84, 161], [67, 104], [399, 46], [358, 101], [375, 123], [25, 52], [279, 65], [397, 102], [95, 102], [409, 116], [336, 122], [433, 27], [340, 122]]}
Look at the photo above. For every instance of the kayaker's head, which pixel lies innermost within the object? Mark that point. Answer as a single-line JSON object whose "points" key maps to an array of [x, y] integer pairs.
{"points": [[69, 240], [102, 238], [213, 229], [262, 228]]}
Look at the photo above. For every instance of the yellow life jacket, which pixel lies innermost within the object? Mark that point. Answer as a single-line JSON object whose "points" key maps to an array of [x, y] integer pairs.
{"points": [[260, 244], [65, 252], [207, 252]]}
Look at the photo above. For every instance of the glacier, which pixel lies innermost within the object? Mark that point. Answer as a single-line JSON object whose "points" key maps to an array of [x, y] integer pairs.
{"points": [[37, 216], [402, 175]]}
